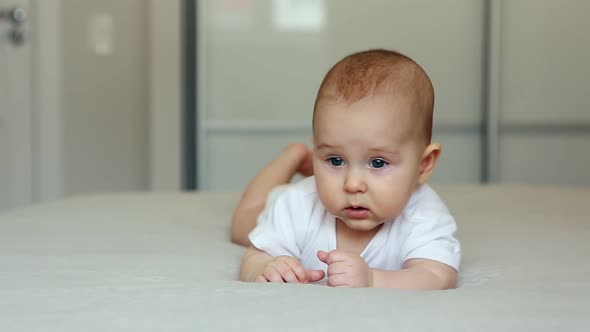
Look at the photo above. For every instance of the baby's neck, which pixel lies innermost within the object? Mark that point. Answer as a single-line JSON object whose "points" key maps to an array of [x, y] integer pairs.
{"points": [[353, 241]]}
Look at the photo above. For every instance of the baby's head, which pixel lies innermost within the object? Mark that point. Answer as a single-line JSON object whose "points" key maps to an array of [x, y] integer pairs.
{"points": [[372, 126], [382, 73]]}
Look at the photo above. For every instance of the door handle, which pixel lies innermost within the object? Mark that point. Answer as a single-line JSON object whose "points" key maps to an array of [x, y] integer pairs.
{"points": [[17, 16]]}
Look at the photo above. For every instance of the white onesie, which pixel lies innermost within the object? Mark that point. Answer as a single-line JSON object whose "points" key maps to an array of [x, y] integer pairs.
{"points": [[294, 222]]}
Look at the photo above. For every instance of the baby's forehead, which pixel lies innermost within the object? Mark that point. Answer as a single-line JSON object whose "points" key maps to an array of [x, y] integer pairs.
{"points": [[393, 113], [394, 105]]}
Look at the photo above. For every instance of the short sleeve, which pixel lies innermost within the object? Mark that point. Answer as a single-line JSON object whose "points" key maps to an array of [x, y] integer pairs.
{"points": [[433, 239], [275, 231]]}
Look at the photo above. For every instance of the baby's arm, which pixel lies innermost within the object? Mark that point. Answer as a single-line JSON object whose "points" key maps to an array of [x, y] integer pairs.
{"points": [[350, 270], [419, 274], [259, 266], [295, 158]]}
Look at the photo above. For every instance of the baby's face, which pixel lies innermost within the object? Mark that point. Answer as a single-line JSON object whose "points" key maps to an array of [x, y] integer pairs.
{"points": [[366, 159]]}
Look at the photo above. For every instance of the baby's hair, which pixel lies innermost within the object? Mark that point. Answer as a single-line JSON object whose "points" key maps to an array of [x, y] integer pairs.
{"points": [[363, 74]]}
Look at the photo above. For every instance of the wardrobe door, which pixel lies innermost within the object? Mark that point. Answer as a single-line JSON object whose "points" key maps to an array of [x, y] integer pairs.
{"points": [[262, 61], [544, 122]]}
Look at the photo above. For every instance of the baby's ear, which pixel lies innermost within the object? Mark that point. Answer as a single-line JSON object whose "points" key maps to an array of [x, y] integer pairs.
{"points": [[428, 162]]}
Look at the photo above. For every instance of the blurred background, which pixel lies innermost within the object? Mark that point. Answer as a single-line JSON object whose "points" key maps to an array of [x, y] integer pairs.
{"points": [[151, 95]]}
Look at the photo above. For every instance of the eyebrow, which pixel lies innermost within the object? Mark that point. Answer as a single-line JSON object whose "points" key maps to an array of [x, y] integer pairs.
{"points": [[385, 150], [325, 146], [373, 149]]}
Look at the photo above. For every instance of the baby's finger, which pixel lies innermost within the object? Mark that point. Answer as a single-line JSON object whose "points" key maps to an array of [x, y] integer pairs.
{"points": [[261, 279], [298, 269], [337, 280], [337, 256], [273, 275], [337, 268], [287, 273], [323, 256], [315, 275]]}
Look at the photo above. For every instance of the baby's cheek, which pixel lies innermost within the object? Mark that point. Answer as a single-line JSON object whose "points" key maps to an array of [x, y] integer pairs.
{"points": [[325, 197], [329, 203], [390, 206]]}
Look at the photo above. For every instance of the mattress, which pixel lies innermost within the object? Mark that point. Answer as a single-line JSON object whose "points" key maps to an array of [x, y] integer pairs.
{"points": [[164, 262]]}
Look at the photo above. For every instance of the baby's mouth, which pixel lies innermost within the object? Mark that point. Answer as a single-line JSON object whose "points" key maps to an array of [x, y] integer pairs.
{"points": [[356, 212]]}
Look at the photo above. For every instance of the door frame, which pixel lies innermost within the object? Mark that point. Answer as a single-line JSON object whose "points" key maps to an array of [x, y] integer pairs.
{"points": [[166, 93], [47, 149]]}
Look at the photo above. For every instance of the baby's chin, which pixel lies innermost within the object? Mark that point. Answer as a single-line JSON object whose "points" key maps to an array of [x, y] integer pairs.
{"points": [[361, 225]]}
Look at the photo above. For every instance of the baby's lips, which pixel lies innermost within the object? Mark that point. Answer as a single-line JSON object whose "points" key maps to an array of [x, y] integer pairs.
{"points": [[358, 213]]}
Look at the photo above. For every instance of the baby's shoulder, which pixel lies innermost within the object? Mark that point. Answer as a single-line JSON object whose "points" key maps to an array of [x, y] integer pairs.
{"points": [[425, 204], [304, 189], [306, 185], [300, 201], [299, 197]]}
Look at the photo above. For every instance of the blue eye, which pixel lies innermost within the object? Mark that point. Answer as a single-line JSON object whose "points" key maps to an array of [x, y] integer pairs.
{"points": [[335, 161], [378, 163]]}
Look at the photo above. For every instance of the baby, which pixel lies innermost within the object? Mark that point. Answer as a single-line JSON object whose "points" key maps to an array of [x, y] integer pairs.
{"points": [[366, 218]]}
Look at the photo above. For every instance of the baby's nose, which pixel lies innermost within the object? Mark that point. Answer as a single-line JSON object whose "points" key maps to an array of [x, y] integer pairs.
{"points": [[354, 182]]}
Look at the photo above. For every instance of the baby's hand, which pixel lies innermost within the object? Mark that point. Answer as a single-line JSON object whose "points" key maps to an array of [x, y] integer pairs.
{"points": [[346, 269], [288, 269]]}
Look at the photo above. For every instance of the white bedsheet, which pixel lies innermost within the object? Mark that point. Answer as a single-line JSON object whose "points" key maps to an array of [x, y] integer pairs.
{"points": [[163, 262]]}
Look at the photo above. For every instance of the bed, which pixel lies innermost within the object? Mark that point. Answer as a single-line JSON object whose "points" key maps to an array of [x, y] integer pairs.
{"points": [[163, 262]]}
